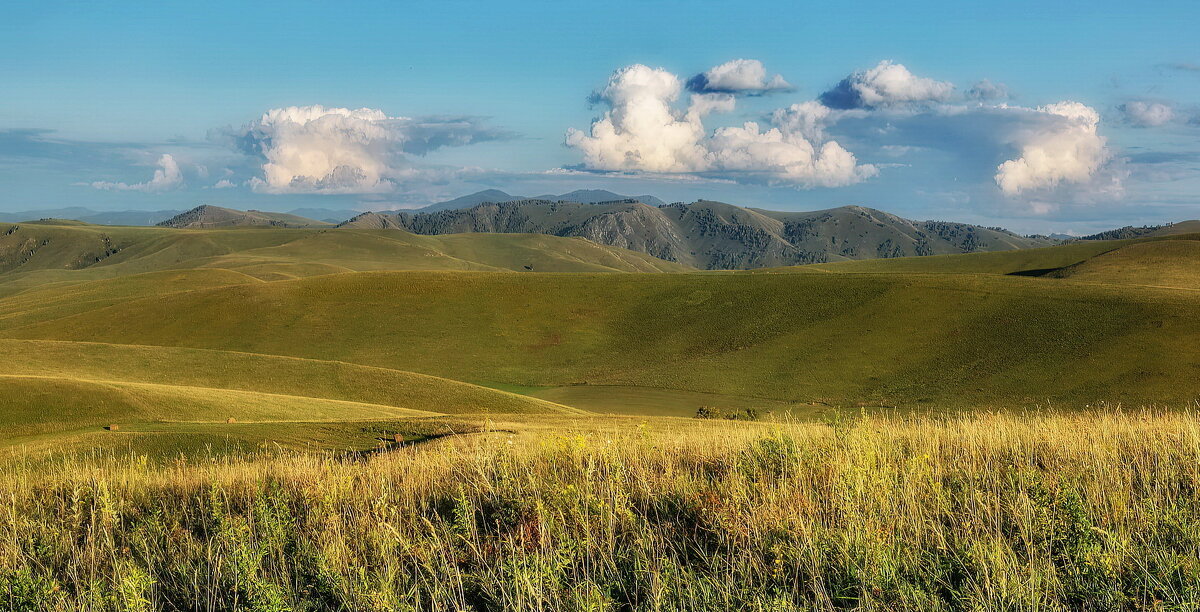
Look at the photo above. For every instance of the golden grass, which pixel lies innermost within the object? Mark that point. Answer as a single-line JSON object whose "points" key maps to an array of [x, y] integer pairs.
{"points": [[1096, 510]]}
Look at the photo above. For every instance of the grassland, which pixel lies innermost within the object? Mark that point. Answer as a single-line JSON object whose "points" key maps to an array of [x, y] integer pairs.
{"points": [[877, 339], [303, 325], [980, 512], [319, 419]]}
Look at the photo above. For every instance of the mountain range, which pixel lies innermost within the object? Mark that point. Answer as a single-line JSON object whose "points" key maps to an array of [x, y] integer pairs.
{"points": [[703, 234], [714, 235]]}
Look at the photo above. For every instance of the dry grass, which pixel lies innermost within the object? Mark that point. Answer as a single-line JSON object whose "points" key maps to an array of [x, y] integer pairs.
{"points": [[980, 512]]}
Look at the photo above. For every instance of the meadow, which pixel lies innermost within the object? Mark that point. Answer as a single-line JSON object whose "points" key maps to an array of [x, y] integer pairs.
{"points": [[975, 512]]}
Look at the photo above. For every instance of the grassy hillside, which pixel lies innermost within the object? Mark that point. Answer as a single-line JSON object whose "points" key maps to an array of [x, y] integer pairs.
{"points": [[71, 389], [1172, 260], [845, 339], [258, 373], [40, 405], [1163, 263], [36, 254], [1030, 262]]}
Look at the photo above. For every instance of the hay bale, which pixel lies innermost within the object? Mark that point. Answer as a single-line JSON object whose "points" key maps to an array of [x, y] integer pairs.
{"points": [[231, 420], [399, 438], [113, 427]]}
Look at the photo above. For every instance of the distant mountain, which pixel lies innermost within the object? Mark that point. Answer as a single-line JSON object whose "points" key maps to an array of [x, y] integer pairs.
{"points": [[207, 216], [595, 196], [495, 196], [474, 199], [328, 215], [77, 213], [714, 235]]}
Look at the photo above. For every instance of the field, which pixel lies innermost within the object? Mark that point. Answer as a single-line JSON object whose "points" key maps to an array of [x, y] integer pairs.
{"points": [[983, 512], [316, 418]]}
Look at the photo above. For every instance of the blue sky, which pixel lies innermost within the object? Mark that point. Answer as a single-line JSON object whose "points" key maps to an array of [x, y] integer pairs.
{"points": [[471, 95]]}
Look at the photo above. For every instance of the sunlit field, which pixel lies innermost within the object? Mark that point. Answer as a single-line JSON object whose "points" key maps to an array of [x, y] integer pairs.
{"points": [[1091, 510]]}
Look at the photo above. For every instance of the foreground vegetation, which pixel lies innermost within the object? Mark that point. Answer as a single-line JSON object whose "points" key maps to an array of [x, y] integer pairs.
{"points": [[1095, 510]]}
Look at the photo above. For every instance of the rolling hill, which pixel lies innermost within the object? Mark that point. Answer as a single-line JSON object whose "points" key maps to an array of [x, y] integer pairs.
{"points": [[713, 235], [36, 253], [826, 338], [1160, 263]]}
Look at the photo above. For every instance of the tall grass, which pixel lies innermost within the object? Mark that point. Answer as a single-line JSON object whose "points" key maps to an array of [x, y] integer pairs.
{"points": [[983, 512]]}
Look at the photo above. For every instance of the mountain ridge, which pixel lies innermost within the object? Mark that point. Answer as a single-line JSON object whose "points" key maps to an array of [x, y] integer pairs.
{"points": [[714, 235]]}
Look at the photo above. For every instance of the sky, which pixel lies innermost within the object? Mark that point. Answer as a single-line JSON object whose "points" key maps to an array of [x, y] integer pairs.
{"points": [[1039, 117]]}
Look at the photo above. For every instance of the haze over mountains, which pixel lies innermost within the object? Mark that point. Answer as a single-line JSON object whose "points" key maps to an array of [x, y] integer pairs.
{"points": [[583, 196]]}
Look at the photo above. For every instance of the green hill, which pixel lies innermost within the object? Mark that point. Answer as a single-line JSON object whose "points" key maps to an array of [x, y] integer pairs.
{"points": [[1160, 263], [33, 254], [840, 339], [1167, 261], [64, 387]]}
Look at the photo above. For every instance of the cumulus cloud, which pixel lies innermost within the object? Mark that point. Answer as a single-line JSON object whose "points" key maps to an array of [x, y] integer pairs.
{"points": [[224, 184], [1140, 113], [887, 84], [739, 76], [1066, 150], [643, 130], [785, 157], [986, 91], [314, 149], [166, 178]]}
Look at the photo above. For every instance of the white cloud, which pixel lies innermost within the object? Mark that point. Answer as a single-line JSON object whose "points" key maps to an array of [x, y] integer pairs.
{"points": [[739, 76], [644, 131], [314, 149], [986, 90], [1140, 113], [806, 118], [1066, 150], [785, 157], [166, 178], [224, 184], [887, 84]]}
